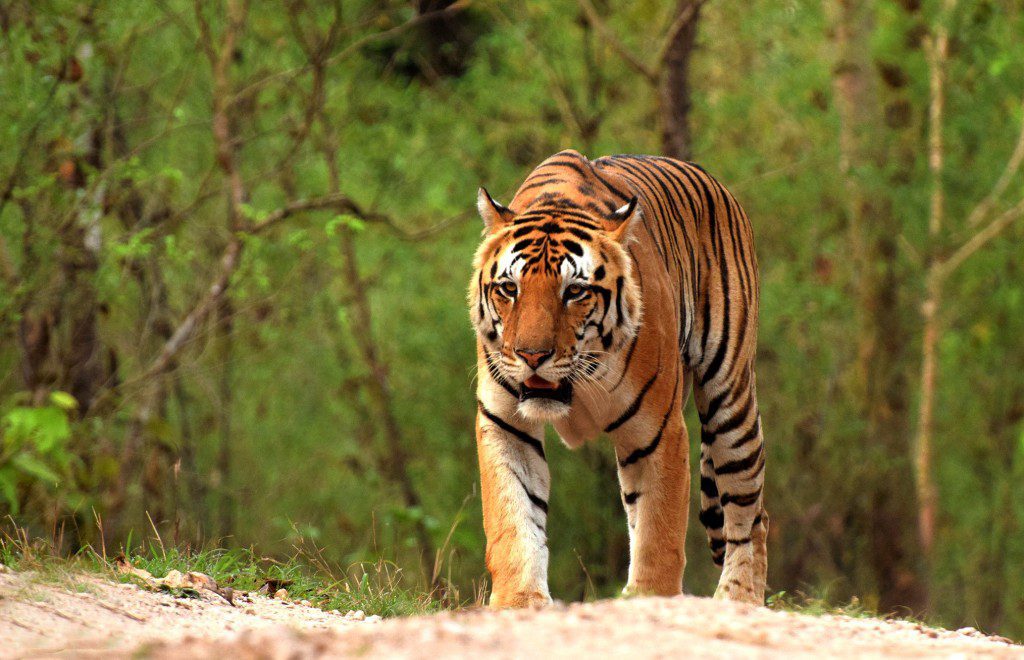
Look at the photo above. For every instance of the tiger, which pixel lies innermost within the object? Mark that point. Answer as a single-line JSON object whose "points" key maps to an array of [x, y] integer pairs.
{"points": [[599, 296]]}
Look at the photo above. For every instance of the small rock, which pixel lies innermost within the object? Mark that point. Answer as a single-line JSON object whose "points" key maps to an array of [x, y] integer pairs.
{"points": [[4, 569], [334, 612], [375, 618], [357, 615], [969, 631], [305, 603], [281, 594]]}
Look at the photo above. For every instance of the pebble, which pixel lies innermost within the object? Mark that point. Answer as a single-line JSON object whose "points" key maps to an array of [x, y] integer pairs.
{"points": [[281, 594], [357, 615], [305, 603]]}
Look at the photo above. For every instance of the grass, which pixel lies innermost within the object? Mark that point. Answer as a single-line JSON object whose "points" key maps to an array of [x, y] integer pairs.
{"points": [[374, 587], [822, 605], [801, 603]]}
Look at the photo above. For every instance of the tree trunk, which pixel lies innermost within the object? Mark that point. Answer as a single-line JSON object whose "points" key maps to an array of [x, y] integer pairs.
{"points": [[225, 339], [674, 85], [927, 497], [866, 131]]}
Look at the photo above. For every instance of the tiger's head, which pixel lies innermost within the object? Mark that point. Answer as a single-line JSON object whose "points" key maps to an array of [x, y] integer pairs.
{"points": [[553, 295]]}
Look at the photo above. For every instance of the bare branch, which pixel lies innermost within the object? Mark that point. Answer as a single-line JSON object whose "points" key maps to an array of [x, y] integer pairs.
{"points": [[680, 22], [986, 205], [205, 34], [978, 240], [351, 48], [228, 264], [342, 203], [631, 59]]}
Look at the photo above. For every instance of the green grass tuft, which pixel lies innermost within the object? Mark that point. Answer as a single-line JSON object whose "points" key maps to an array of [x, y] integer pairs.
{"points": [[376, 588]]}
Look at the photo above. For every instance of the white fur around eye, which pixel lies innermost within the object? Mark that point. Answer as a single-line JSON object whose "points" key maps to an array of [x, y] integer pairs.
{"points": [[508, 263], [576, 270]]}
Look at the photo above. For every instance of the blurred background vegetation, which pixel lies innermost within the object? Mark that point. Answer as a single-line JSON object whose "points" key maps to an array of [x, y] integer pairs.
{"points": [[235, 239]]}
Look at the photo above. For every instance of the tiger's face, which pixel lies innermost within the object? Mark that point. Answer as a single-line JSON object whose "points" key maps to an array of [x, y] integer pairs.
{"points": [[552, 298]]}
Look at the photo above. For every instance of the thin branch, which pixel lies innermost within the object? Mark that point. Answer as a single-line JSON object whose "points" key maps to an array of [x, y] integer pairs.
{"points": [[978, 240], [681, 21], [205, 34], [561, 93], [342, 203], [631, 59], [228, 264], [351, 48], [986, 205]]}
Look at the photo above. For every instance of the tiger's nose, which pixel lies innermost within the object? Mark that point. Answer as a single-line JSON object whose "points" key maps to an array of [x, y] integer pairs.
{"points": [[533, 357]]}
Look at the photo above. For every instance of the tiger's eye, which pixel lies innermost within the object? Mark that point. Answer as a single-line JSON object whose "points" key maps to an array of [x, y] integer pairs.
{"points": [[509, 288], [574, 290]]}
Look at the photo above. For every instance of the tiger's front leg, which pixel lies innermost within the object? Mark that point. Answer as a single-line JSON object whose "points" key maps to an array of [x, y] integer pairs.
{"points": [[515, 483], [654, 476]]}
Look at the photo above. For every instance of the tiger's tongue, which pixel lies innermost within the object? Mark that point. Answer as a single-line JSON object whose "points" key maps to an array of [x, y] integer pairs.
{"points": [[538, 383]]}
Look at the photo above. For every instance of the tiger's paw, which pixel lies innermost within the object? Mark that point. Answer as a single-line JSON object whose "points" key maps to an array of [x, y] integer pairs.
{"points": [[520, 600], [736, 591], [743, 577], [740, 584]]}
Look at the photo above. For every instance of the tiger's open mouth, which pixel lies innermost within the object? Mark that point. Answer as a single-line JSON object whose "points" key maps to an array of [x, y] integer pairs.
{"points": [[536, 387]]}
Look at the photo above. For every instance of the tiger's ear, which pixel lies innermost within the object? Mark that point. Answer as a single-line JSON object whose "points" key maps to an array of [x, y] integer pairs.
{"points": [[494, 214], [625, 219]]}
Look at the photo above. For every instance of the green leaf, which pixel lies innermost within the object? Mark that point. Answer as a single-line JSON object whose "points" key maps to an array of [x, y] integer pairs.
{"points": [[8, 487], [344, 220], [33, 467], [63, 400], [248, 211]]}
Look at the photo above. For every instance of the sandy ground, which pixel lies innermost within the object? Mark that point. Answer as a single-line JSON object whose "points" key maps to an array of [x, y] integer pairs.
{"points": [[93, 618]]}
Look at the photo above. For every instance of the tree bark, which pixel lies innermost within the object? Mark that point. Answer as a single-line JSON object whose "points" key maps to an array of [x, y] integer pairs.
{"points": [[225, 339], [879, 384], [927, 498], [674, 94]]}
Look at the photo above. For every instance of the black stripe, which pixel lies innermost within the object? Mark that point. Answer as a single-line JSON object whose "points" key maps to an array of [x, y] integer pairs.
{"points": [[537, 501], [644, 452], [630, 498], [629, 358], [713, 407], [712, 517], [732, 423], [708, 486], [492, 372], [633, 407], [505, 426], [740, 465], [744, 499], [742, 541], [609, 186], [749, 436], [538, 184]]}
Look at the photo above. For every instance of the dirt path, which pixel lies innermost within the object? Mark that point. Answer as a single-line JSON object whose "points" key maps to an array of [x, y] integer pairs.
{"points": [[92, 618]]}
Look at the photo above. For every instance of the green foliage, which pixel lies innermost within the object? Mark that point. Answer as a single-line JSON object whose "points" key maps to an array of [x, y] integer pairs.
{"points": [[269, 425], [34, 449]]}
